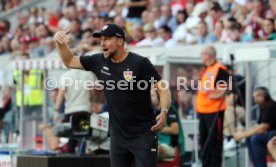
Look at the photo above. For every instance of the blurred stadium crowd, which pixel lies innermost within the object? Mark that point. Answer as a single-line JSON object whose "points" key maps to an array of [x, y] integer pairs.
{"points": [[7, 5], [147, 23]]}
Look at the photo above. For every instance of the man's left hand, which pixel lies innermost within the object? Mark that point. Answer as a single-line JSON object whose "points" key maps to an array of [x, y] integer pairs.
{"points": [[161, 121], [238, 135]]}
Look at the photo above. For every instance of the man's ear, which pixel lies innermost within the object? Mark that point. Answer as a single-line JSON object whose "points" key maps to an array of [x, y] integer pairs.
{"points": [[120, 42]]}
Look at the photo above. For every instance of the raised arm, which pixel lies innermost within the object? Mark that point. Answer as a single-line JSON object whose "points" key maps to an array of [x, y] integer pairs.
{"points": [[61, 39]]}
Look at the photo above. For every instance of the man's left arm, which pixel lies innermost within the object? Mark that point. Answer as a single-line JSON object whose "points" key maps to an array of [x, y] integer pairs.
{"points": [[165, 101], [222, 84], [258, 129], [148, 73]]}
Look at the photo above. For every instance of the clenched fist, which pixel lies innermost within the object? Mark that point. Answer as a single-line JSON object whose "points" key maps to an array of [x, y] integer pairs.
{"points": [[62, 37]]}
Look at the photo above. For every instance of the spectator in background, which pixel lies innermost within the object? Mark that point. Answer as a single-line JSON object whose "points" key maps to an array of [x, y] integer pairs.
{"points": [[145, 17], [85, 45], [218, 30], [230, 116], [168, 136], [6, 5], [120, 21], [42, 31], [35, 49], [236, 35], [75, 29], [268, 31], [2, 50], [166, 34], [52, 19], [203, 35], [257, 137], [22, 17], [152, 39], [180, 34], [76, 100], [57, 116], [167, 18], [136, 34], [5, 29], [255, 17], [71, 11], [91, 23], [154, 15], [6, 44], [81, 9], [185, 104], [177, 5], [227, 22], [200, 13], [103, 19], [135, 9], [271, 13], [35, 17], [190, 8], [45, 39], [16, 49], [215, 11]]}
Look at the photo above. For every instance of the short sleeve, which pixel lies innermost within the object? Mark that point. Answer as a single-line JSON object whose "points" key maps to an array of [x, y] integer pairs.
{"points": [[148, 71], [269, 117], [223, 75], [89, 63]]}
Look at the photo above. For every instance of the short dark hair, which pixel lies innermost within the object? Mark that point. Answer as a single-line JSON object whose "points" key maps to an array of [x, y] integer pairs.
{"points": [[77, 20], [271, 20], [232, 19], [184, 12], [88, 30], [71, 4], [265, 92], [166, 28], [7, 24], [235, 26], [215, 7], [203, 22]]}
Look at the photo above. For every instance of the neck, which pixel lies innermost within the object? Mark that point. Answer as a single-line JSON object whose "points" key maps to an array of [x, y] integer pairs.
{"points": [[211, 62], [120, 56], [167, 37], [205, 35]]}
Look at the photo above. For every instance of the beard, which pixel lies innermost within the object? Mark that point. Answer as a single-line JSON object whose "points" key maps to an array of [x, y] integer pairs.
{"points": [[110, 55]]}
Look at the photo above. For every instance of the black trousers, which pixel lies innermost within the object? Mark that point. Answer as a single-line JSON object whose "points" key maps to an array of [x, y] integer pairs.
{"points": [[134, 152], [212, 155]]}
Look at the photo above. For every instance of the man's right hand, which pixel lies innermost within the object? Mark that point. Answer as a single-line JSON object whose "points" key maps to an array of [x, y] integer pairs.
{"points": [[62, 37]]}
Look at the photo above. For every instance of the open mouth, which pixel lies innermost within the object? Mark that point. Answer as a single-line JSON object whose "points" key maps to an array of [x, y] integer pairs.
{"points": [[105, 50]]}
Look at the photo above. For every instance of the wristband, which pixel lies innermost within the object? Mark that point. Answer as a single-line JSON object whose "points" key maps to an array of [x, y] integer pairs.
{"points": [[164, 110]]}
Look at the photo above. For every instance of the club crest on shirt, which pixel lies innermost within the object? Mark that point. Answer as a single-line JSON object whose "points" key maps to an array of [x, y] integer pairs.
{"points": [[128, 75]]}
